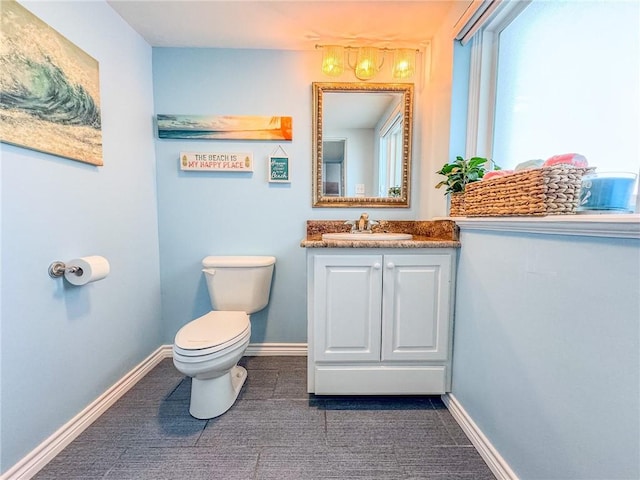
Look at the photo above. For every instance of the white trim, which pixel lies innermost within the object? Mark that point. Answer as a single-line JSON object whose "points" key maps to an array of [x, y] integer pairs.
{"points": [[276, 349], [468, 18], [611, 226], [473, 101], [33, 462], [487, 451], [473, 18], [486, 48]]}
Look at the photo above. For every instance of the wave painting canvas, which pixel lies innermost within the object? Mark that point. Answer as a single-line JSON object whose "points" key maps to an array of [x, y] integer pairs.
{"points": [[49, 89], [225, 127]]}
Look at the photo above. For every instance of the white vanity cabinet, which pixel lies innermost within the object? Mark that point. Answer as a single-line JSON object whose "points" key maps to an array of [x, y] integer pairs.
{"points": [[380, 320]]}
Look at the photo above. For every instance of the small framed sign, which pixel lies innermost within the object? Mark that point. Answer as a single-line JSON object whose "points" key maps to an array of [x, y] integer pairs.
{"points": [[279, 167], [226, 162]]}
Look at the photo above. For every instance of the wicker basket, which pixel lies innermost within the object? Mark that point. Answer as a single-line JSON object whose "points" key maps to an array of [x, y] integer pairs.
{"points": [[456, 206], [553, 190]]}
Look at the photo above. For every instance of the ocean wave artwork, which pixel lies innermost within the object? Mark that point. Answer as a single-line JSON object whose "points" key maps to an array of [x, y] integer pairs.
{"points": [[49, 89], [224, 127]]}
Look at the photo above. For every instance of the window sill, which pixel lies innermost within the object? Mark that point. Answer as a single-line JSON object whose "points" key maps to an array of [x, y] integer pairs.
{"points": [[606, 225]]}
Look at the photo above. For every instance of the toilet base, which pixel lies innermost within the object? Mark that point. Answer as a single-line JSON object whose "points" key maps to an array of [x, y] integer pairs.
{"points": [[212, 397]]}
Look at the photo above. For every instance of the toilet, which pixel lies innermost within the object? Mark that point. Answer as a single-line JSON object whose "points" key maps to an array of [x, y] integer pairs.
{"points": [[209, 347]]}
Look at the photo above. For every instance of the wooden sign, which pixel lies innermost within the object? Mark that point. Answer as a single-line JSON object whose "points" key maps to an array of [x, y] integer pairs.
{"points": [[227, 162]]}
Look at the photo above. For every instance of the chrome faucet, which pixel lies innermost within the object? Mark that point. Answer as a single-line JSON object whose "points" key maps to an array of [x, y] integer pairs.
{"points": [[362, 225]]}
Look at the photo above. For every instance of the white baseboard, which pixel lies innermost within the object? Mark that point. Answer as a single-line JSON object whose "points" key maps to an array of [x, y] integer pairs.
{"points": [[279, 349], [47, 450], [263, 350], [487, 451], [44, 453]]}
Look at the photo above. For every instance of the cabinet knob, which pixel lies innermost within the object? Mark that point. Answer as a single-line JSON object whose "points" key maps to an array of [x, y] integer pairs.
{"points": [[376, 266], [390, 265]]}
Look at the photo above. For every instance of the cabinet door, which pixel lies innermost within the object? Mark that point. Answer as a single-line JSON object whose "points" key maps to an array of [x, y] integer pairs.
{"points": [[347, 307], [416, 298]]}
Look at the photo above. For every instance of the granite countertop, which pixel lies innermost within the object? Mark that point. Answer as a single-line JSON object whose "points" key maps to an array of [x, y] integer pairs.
{"points": [[426, 234]]}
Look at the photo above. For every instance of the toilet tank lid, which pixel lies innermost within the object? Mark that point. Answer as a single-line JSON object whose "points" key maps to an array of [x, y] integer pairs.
{"points": [[245, 261]]}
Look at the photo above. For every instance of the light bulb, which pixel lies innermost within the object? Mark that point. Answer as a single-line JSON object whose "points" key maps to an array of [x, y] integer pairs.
{"points": [[404, 63], [367, 64], [333, 60]]}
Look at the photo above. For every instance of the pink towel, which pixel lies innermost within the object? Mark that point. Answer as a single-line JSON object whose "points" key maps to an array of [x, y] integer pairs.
{"points": [[496, 173], [574, 159]]}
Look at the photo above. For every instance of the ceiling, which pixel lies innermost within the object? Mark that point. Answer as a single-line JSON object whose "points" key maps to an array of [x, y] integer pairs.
{"points": [[282, 25]]}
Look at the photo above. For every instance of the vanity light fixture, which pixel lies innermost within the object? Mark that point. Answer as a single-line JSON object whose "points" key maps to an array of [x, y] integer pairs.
{"points": [[368, 61]]}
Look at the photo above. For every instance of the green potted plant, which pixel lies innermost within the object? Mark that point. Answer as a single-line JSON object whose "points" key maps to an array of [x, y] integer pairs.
{"points": [[394, 192], [458, 174]]}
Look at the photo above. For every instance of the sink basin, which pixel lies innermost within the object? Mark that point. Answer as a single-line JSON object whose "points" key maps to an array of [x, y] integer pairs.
{"points": [[367, 236]]}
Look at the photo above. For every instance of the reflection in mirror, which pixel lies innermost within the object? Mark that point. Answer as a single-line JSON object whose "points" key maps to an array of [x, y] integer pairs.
{"points": [[362, 144], [334, 152]]}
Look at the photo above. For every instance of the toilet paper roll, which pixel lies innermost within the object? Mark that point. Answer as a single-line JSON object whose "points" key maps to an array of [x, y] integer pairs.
{"points": [[87, 269]]}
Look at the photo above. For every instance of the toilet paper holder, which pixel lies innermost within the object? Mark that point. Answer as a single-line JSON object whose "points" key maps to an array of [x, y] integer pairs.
{"points": [[58, 269], [82, 270]]}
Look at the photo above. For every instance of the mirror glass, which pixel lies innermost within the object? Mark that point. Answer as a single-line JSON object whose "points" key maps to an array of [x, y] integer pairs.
{"points": [[362, 144]]}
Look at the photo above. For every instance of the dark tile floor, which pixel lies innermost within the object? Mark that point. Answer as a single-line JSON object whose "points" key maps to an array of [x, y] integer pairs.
{"points": [[275, 430]]}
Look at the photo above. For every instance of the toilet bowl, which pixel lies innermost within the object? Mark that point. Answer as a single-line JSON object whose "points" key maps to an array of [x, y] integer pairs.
{"points": [[209, 347], [208, 350]]}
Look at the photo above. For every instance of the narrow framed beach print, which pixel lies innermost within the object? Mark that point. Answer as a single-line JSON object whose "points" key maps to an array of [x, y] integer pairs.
{"points": [[224, 127], [49, 89]]}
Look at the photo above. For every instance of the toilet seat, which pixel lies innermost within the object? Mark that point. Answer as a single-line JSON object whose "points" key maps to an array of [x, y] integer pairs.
{"points": [[211, 333]]}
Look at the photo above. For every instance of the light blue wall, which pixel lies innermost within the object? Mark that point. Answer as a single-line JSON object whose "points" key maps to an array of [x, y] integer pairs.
{"points": [[213, 213], [546, 356], [63, 346]]}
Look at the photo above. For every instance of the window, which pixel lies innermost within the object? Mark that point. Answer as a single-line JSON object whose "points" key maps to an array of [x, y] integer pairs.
{"points": [[557, 77]]}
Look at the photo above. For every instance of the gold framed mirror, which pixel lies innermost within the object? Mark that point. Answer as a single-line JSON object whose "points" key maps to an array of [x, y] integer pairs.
{"points": [[362, 135]]}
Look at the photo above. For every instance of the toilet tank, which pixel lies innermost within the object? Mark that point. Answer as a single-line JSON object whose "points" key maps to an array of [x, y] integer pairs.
{"points": [[239, 283]]}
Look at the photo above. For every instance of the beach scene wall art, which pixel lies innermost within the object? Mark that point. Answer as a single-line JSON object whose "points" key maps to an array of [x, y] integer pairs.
{"points": [[225, 127], [49, 89]]}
